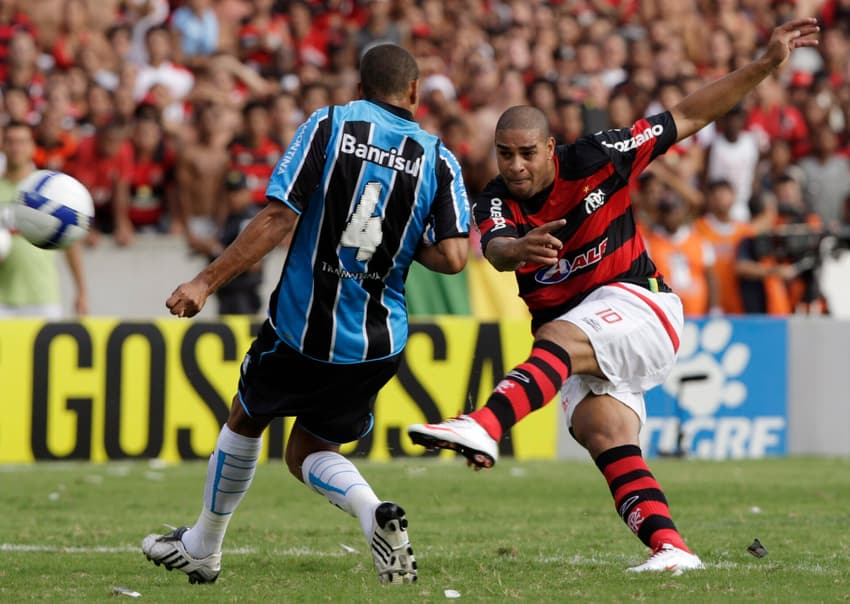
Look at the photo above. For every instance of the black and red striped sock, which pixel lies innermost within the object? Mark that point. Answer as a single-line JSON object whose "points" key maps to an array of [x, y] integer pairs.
{"points": [[638, 497], [525, 388]]}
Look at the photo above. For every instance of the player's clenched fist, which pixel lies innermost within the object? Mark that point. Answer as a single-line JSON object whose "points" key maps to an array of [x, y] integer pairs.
{"points": [[188, 299]]}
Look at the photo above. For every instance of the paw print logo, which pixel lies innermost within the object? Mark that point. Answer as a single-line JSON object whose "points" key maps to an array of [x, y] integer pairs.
{"points": [[704, 379]]}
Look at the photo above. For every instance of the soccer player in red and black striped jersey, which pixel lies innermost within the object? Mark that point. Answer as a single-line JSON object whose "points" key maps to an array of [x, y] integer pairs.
{"points": [[606, 328]]}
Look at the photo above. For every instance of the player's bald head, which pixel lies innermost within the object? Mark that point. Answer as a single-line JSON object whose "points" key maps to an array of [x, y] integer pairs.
{"points": [[524, 117]]}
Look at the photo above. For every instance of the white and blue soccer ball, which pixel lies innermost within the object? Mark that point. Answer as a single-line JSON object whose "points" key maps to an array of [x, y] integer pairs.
{"points": [[52, 210]]}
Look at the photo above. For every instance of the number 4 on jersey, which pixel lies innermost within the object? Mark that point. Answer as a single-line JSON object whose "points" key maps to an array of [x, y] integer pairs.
{"points": [[364, 231]]}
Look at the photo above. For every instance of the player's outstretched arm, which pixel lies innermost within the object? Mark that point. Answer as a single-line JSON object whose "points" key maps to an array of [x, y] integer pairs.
{"points": [[538, 246], [710, 102], [265, 231], [446, 256]]}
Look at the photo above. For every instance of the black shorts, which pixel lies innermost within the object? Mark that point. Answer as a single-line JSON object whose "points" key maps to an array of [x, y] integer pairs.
{"points": [[331, 401]]}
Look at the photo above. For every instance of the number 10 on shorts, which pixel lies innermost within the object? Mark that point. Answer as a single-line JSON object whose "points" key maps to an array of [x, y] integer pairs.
{"points": [[609, 315]]}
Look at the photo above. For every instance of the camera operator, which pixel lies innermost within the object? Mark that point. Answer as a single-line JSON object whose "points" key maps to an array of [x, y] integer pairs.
{"points": [[776, 267]]}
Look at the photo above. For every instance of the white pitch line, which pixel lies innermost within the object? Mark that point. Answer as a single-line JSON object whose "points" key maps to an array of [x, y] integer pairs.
{"points": [[97, 549], [290, 552]]}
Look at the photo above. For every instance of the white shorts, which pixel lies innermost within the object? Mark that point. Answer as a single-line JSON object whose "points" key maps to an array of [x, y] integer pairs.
{"points": [[635, 335]]}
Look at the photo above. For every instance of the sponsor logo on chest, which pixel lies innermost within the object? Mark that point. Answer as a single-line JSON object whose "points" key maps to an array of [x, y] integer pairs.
{"points": [[555, 274], [388, 158]]}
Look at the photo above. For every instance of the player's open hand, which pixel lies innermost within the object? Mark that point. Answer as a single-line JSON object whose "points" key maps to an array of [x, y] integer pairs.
{"points": [[188, 299], [540, 246], [791, 35]]}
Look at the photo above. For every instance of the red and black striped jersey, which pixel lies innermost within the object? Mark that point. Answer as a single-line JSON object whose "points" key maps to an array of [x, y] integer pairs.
{"points": [[590, 191], [256, 163]]}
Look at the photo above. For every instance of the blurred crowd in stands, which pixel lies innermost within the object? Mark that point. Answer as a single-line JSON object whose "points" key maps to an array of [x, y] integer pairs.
{"points": [[153, 104]]}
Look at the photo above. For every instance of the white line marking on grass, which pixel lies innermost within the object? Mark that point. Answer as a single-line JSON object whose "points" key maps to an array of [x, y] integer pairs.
{"points": [[97, 549], [290, 552]]}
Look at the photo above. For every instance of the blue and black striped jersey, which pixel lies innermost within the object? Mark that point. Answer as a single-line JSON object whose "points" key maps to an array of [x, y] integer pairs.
{"points": [[367, 182]]}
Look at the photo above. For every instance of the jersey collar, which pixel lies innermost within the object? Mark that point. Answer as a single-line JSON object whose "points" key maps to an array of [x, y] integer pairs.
{"points": [[403, 113]]}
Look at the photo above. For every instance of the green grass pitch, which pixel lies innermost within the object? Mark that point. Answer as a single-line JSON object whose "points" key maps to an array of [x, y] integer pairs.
{"points": [[535, 532]]}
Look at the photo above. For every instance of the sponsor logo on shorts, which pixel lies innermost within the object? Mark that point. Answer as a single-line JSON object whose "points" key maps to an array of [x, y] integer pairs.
{"points": [[555, 274], [593, 323]]}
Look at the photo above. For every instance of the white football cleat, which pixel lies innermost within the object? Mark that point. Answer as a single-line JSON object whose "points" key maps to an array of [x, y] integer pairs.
{"points": [[462, 434], [669, 558], [390, 544], [169, 551]]}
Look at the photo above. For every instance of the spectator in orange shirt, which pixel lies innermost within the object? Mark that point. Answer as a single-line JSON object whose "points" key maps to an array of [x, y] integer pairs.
{"points": [[104, 163], [724, 234], [684, 258]]}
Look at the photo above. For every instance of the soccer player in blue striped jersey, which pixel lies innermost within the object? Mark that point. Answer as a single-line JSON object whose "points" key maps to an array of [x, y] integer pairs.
{"points": [[364, 191]]}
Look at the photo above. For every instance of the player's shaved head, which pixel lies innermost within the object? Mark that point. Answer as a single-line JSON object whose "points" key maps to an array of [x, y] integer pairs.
{"points": [[386, 71], [524, 117]]}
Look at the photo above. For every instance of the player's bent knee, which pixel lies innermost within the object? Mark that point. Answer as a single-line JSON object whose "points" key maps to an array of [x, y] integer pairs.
{"points": [[600, 423], [572, 339]]}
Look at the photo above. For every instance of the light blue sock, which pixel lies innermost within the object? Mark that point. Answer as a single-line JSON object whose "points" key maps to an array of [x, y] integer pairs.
{"points": [[229, 474], [332, 475]]}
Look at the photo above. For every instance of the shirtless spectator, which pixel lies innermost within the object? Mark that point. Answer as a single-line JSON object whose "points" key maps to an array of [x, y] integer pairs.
{"points": [[201, 167]]}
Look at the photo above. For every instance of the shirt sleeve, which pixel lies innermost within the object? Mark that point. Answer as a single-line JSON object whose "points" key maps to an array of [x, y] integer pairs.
{"points": [[631, 149], [493, 214], [299, 171], [450, 209]]}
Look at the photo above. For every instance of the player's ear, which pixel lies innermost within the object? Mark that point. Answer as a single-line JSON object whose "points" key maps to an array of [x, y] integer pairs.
{"points": [[550, 147], [413, 94]]}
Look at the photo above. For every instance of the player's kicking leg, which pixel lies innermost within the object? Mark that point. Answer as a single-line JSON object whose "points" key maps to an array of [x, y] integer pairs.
{"points": [[525, 388], [196, 551]]}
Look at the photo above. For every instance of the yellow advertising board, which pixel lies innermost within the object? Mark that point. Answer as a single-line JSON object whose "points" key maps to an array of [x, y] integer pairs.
{"points": [[102, 389]]}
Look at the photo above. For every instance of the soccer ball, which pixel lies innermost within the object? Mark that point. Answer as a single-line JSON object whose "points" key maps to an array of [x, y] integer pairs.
{"points": [[52, 210]]}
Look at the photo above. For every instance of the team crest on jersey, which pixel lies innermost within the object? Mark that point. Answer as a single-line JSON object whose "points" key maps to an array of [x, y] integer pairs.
{"points": [[565, 267], [594, 201]]}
